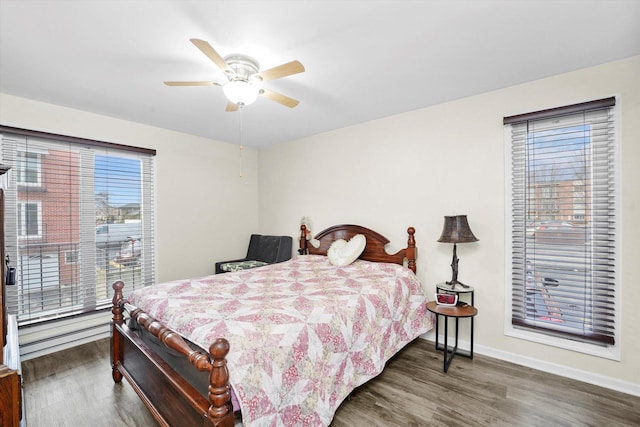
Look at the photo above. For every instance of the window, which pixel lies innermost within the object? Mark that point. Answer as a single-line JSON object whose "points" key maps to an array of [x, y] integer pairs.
{"points": [[28, 168], [71, 257], [29, 220], [563, 208], [61, 191]]}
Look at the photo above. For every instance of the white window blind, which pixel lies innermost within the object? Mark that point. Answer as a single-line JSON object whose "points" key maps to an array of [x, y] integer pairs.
{"points": [[564, 221], [61, 191]]}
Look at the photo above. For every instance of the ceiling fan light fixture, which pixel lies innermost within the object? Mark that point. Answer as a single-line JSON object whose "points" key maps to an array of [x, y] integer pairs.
{"points": [[241, 92], [244, 77]]}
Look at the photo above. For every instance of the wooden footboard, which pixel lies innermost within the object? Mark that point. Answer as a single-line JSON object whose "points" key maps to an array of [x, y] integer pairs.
{"points": [[170, 398]]}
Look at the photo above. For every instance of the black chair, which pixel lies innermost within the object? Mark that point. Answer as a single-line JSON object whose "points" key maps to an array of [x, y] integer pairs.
{"points": [[262, 250]]}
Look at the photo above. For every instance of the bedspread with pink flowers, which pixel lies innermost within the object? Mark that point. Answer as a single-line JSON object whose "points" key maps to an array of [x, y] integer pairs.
{"points": [[303, 333]]}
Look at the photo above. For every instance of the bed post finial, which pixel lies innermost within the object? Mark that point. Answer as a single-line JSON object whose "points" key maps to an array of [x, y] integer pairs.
{"points": [[220, 412], [117, 297], [303, 240], [411, 249]]}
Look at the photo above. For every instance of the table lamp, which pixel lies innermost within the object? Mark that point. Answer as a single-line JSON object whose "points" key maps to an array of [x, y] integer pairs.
{"points": [[456, 230]]}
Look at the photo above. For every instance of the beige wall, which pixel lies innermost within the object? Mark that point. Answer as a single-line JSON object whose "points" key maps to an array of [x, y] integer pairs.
{"points": [[414, 168], [205, 211]]}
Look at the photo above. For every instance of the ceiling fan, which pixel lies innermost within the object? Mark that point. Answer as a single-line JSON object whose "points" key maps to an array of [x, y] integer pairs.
{"points": [[244, 78]]}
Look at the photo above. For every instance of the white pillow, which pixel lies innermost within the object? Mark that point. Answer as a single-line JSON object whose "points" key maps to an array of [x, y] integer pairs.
{"points": [[343, 253]]}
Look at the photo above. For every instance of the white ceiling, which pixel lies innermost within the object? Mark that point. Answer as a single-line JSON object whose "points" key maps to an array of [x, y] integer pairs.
{"points": [[364, 59]]}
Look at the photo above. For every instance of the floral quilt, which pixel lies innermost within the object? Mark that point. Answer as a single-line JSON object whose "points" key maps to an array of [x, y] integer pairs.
{"points": [[303, 333]]}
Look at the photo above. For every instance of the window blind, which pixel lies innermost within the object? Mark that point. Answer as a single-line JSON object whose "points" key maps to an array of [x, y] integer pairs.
{"points": [[62, 191], [564, 221]]}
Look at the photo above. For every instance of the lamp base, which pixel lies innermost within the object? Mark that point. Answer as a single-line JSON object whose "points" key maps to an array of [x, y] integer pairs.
{"points": [[455, 282], [454, 269]]}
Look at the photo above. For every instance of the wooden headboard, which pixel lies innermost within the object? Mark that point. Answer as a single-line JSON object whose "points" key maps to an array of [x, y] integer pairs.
{"points": [[374, 251]]}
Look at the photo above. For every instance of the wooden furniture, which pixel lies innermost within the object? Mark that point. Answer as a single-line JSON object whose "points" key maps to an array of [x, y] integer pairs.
{"points": [[170, 398], [374, 251], [10, 381], [455, 312], [3, 294]]}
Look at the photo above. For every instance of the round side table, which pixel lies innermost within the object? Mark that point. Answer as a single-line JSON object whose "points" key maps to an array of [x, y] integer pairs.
{"points": [[456, 312]]}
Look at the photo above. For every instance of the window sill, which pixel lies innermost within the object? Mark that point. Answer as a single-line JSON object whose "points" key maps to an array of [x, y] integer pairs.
{"points": [[605, 352], [33, 187]]}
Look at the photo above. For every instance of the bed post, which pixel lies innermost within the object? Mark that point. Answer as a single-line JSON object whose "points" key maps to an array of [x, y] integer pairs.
{"points": [[303, 241], [220, 412], [411, 249], [116, 338]]}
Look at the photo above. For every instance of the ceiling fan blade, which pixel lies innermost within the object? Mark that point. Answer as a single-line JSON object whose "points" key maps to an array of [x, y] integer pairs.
{"points": [[192, 83], [278, 97], [284, 70], [231, 107], [211, 53]]}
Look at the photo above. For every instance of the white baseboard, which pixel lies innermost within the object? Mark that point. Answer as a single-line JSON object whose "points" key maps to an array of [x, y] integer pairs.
{"points": [[552, 368]]}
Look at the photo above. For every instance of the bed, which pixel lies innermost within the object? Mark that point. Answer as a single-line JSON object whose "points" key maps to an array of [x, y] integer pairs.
{"points": [[298, 334]]}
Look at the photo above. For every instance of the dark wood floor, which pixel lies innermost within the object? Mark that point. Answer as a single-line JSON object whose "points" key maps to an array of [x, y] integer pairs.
{"points": [[74, 388]]}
